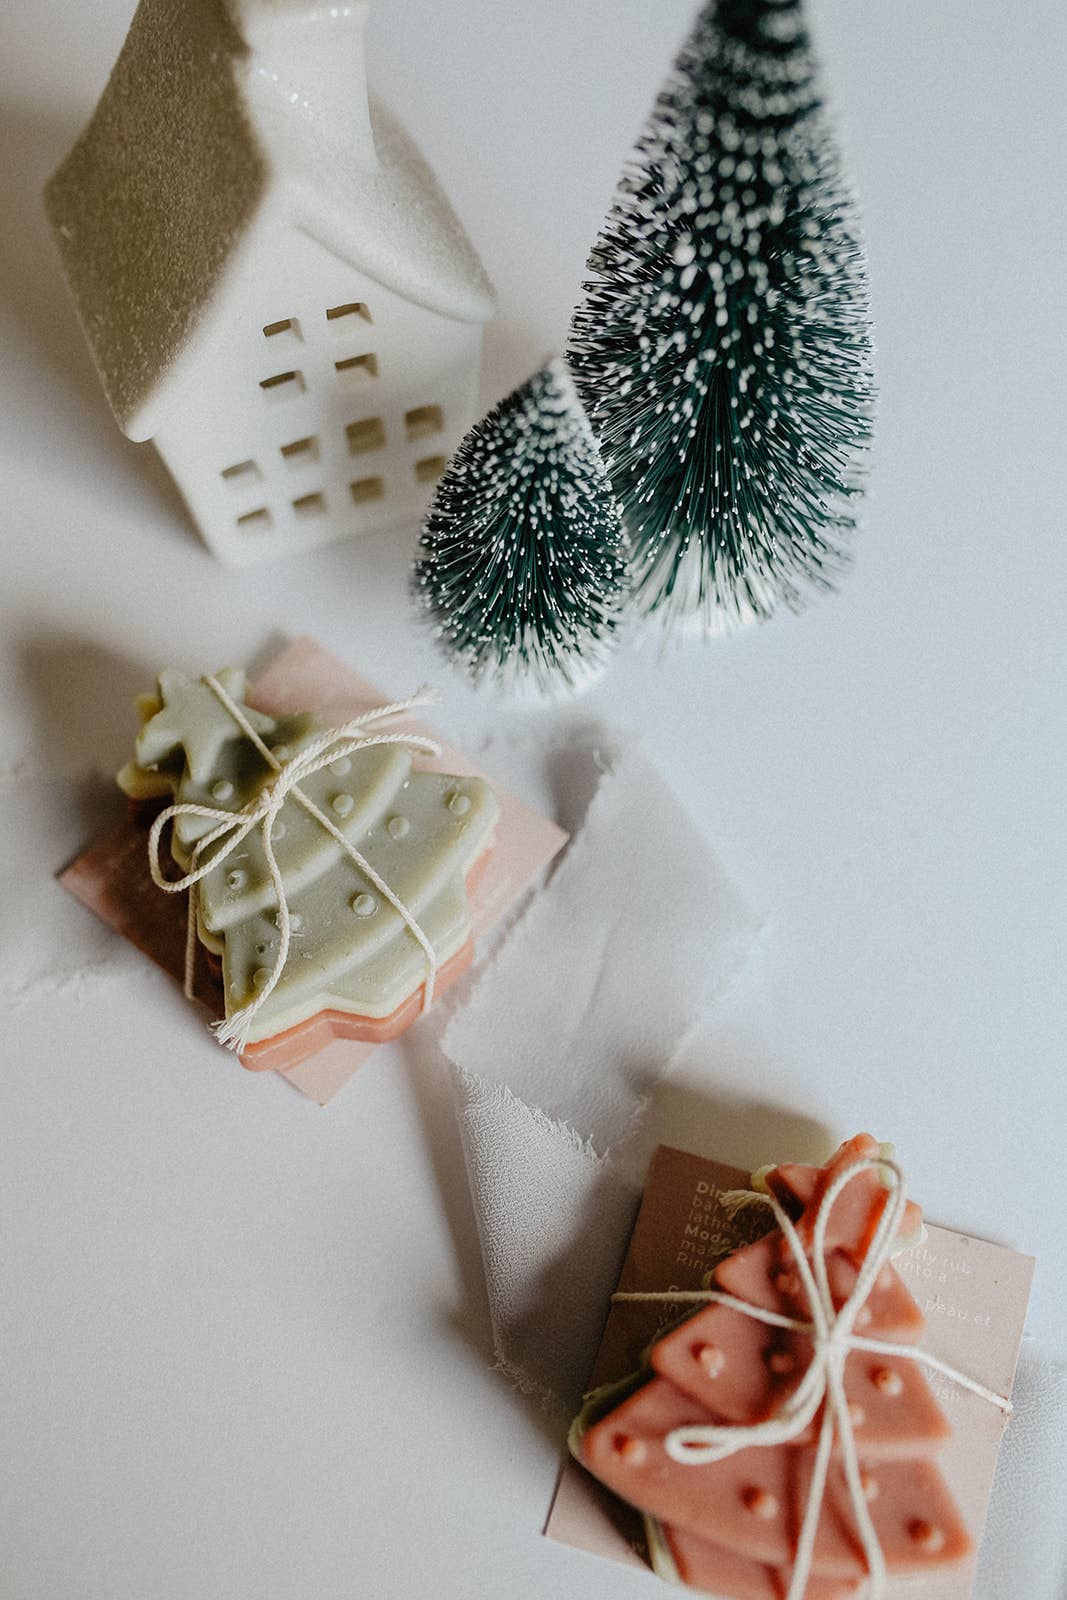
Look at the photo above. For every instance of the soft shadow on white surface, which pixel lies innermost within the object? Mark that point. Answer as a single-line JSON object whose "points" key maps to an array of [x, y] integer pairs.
{"points": [[552, 1075], [571, 1295], [56, 795], [34, 138], [81, 693], [429, 1081], [738, 1128], [575, 769]]}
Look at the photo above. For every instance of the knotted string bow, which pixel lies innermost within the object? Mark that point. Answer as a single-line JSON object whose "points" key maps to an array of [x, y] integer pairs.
{"points": [[833, 1337], [232, 827]]}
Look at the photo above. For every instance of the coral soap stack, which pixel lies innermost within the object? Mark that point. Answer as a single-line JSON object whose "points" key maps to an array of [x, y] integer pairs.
{"points": [[731, 1526]]}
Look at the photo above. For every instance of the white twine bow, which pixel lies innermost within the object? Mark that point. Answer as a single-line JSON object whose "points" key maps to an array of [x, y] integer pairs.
{"points": [[262, 812], [833, 1338]]}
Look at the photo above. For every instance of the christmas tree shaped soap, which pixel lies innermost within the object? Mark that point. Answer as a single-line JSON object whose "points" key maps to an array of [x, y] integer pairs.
{"points": [[729, 1519], [361, 920]]}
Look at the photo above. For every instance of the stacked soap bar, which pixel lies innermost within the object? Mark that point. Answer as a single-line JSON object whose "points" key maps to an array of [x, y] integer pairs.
{"points": [[354, 968], [731, 1526]]}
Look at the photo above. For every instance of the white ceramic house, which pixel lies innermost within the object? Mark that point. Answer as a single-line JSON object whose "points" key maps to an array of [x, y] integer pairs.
{"points": [[274, 288]]}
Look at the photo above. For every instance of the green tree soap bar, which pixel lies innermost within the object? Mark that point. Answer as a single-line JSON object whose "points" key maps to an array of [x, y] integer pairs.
{"points": [[373, 857]]}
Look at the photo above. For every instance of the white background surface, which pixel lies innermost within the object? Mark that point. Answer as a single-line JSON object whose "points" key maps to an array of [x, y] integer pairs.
{"points": [[243, 1341]]}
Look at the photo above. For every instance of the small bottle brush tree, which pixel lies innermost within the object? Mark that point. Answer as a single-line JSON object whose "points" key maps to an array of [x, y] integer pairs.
{"points": [[520, 563], [722, 347]]}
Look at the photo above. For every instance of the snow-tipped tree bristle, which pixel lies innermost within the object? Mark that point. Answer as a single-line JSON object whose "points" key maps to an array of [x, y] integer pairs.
{"points": [[520, 563], [722, 346]]}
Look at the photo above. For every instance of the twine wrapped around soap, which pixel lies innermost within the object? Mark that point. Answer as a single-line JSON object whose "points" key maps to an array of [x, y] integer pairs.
{"points": [[262, 812], [833, 1338]]}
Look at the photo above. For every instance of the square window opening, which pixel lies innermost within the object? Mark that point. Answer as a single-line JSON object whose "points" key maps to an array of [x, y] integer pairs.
{"points": [[241, 474], [283, 386], [300, 451], [430, 468], [257, 521], [364, 489], [310, 505], [356, 370], [341, 316], [421, 421], [367, 434], [287, 325]]}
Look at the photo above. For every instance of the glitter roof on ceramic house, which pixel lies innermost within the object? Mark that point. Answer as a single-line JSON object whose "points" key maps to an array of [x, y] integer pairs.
{"points": [[274, 288]]}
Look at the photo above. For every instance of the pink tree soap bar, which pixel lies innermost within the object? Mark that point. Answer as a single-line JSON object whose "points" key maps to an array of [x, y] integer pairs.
{"points": [[731, 1525]]}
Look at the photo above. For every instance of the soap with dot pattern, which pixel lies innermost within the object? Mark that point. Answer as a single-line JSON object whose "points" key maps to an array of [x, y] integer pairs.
{"points": [[730, 1526], [352, 956]]}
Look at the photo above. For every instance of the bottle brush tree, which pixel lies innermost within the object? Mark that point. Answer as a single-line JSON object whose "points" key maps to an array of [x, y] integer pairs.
{"points": [[722, 345], [520, 564]]}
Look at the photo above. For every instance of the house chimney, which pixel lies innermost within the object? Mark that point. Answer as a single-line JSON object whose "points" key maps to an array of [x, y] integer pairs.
{"points": [[312, 53]]}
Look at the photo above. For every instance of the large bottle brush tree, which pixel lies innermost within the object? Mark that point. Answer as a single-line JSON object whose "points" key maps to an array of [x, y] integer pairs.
{"points": [[722, 345]]}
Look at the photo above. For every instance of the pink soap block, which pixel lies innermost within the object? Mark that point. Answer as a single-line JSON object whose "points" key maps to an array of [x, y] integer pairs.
{"points": [[732, 1525], [626, 1452], [856, 1210], [765, 1274], [742, 1371], [702, 1564], [752, 1502]]}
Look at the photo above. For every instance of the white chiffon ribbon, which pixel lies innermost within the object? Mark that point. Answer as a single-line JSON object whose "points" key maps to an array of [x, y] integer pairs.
{"points": [[262, 811], [833, 1338]]}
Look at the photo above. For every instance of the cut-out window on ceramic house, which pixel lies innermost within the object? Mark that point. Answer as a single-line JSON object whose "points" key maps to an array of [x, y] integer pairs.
{"points": [[241, 474], [300, 451], [354, 371], [283, 386], [430, 468], [365, 489], [421, 421], [343, 317], [367, 434], [257, 521], [287, 326], [310, 505]]}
